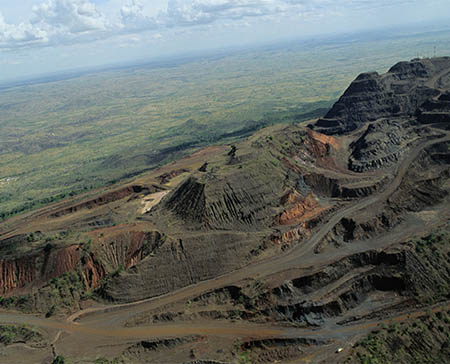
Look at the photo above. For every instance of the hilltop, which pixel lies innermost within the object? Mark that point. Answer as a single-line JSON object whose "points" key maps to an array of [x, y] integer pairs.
{"points": [[290, 244]]}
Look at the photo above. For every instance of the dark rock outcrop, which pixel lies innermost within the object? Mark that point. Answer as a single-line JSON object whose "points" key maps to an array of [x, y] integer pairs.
{"points": [[382, 144], [398, 93]]}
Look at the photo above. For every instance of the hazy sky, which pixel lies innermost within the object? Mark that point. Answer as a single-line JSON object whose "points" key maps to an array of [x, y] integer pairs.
{"points": [[41, 36]]}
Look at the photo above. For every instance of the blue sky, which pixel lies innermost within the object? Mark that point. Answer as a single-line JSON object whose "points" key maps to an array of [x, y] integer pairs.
{"points": [[42, 36]]}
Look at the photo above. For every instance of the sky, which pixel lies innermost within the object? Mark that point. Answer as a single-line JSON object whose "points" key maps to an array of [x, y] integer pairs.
{"points": [[45, 36]]}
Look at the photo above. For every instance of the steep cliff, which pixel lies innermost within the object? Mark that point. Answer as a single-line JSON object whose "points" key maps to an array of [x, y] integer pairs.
{"points": [[398, 93]]}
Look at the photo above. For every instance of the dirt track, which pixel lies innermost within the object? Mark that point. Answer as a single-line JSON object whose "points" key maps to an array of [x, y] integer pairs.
{"points": [[300, 256], [97, 326]]}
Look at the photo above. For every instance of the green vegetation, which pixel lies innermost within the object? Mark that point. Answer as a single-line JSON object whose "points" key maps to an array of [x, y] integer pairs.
{"points": [[59, 360], [10, 334], [433, 251], [243, 355], [58, 139], [61, 293], [26, 244], [16, 302], [423, 340], [64, 291], [106, 361]]}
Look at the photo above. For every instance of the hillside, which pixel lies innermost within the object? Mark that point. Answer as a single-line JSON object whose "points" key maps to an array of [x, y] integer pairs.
{"points": [[64, 137], [287, 245]]}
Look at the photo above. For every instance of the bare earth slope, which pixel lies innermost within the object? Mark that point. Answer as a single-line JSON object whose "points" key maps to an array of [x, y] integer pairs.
{"points": [[284, 247]]}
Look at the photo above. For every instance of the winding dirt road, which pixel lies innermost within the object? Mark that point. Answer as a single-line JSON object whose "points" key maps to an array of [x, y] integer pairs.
{"points": [[108, 321], [301, 256]]}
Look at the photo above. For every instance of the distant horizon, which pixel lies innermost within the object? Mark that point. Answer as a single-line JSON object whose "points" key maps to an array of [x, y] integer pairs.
{"points": [[163, 61], [39, 37]]}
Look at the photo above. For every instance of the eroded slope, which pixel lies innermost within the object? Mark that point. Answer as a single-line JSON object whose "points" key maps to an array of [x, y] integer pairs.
{"points": [[316, 232]]}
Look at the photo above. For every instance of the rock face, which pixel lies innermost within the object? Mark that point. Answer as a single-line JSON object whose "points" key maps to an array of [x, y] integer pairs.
{"points": [[37, 268], [435, 110], [119, 250], [240, 200], [405, 273], [401, 92], [388, 108], [382, 143]]}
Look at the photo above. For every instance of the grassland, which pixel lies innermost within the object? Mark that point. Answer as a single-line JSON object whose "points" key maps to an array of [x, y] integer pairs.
{"points": [[67, 136], [423, 340], [11, 334]]}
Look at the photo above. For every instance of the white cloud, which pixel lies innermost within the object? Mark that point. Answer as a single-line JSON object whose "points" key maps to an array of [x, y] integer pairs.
{"points": [[20, 35], [70, 21], [59, 22], [132, 10], [196, 12], [56, 22], [133, 18], [70, 16]]}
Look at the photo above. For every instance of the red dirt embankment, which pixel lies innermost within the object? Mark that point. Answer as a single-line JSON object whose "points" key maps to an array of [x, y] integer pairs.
{"points": [[320, 142], [35, 269], [106, 253], [323, 148], [303, 209]]}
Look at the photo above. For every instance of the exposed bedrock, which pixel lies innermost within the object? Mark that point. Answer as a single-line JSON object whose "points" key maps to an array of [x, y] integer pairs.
{"points": [[411, 272], [424, 186], [397, 93], [37, 267], [425, 183], [357, 276], [333, 187], [347, 283], [214, 221], [92, 261], [405, 273], [247, 199], [181, 262], [381, 145], [157, 345], [240, 202]]}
